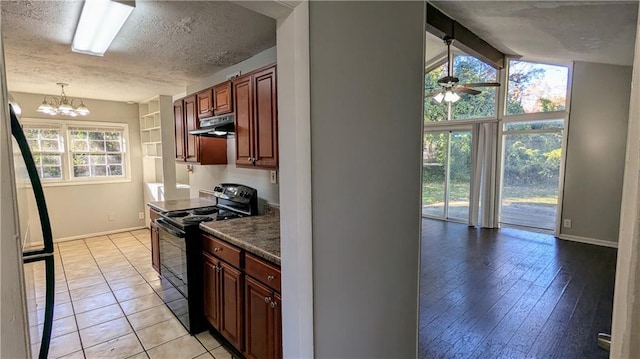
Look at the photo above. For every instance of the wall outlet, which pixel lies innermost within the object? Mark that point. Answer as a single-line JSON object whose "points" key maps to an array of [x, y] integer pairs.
{"points": [[566, 223], [274, 176], [140, 215], [111, 217]]}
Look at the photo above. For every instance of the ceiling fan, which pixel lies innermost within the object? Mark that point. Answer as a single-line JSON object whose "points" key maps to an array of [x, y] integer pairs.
{"points": [[449, 87]]}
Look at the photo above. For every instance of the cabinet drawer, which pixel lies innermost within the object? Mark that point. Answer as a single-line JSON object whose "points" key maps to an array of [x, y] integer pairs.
{"points": [[222, 250], [265, 272]]}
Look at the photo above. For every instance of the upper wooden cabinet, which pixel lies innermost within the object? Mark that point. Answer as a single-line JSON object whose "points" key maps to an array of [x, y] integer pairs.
{"points": [[190, 123], [195, 149], [222, 102], [256, 116], [205, 103]]}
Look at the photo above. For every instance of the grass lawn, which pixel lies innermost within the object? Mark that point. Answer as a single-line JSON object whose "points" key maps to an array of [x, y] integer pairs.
{"points": [[433, 193]]}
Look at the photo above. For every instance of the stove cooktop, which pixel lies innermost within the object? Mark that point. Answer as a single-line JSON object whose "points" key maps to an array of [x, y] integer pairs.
{"points": [[193, 217]]}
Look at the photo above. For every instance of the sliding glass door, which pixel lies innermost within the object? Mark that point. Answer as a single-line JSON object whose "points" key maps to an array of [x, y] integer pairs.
{"points": [[446, 174], [530, 173]]}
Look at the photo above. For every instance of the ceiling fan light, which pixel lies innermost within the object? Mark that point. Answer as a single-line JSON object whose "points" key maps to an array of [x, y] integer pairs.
{"points": [[438, 97], [455, 97], [448, 96]]}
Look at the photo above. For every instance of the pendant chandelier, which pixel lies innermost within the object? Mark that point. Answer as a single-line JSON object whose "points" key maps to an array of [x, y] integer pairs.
{"points": [[63, 105]]}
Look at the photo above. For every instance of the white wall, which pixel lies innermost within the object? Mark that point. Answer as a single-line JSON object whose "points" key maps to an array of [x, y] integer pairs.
{"points": [[366, 76], [625, 328], [81, 210], [595, 152], [206, 177]]}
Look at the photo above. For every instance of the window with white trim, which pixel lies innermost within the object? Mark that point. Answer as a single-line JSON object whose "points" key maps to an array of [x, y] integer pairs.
{"points": [[47, 147], [96, 152], [70, 152]]}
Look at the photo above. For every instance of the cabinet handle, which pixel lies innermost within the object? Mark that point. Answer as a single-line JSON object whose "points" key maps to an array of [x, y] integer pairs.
{"points": [[267, 299], [273, 304], [216, 249], [270, 278]]}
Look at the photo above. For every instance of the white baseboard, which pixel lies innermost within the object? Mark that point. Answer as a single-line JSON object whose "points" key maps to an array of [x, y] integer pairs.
{"points": [[597, 242], [72, 238]]}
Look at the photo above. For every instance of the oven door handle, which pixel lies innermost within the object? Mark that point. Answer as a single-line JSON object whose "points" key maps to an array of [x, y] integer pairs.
{"points": [[162, 223]]}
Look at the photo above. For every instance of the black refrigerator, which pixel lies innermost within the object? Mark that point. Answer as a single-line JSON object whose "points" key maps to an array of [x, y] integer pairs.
{"points": [[27, 179]]}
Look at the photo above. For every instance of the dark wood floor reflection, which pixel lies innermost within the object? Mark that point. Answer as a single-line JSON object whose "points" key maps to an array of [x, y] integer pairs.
{"points": [[511, 294]]}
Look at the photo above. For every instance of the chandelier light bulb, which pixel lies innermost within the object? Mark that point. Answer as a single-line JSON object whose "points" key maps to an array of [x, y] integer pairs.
{"points": [[63, 105]]}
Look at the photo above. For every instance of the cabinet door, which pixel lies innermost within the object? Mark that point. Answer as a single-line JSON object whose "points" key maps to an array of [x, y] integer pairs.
{"points": [[277, 321], [222, 99], [231, 305], [178, 117], [205, 103], [266, 118], [191, 123], [259, 324], [211, 290], [243, 103], [155, 246]]}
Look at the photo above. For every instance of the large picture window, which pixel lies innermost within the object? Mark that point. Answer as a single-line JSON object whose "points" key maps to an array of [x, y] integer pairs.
{"points": [[536, 88], [72, 152], [469, 70]]}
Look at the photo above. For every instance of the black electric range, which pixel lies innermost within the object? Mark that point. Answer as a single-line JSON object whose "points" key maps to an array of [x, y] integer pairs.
{"points": [[181, 247]]}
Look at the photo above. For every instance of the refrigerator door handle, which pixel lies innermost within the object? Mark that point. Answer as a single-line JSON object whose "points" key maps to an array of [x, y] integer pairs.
{"points": [[45, 254]]}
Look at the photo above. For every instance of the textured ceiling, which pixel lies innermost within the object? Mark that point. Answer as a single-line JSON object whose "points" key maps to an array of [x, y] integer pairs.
{"points": [[554, 31], [163, 46]]}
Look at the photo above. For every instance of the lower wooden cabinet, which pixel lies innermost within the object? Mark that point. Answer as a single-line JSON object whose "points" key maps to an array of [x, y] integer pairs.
{"points": [[223, 293], [231, 304], [242, 298], [263, 322], [155, 241], [211, 290]]}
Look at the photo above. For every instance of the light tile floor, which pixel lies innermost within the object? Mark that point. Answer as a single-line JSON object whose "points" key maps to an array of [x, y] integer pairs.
{"points": [[110, 303]]}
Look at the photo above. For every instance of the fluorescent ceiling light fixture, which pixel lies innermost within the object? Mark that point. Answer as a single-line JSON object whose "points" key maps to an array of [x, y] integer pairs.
{"points": [[100, 22]]}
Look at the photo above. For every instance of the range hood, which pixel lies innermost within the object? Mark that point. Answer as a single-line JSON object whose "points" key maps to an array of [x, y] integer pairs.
{"points": [[216, 126]]}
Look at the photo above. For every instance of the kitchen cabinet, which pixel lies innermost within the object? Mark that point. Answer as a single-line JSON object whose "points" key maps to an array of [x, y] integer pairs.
{"points": [[222, 103], [223, 292], [255, 103], [195, 149], [242, 298], [205, 103], [155, 241], [263, 321]]}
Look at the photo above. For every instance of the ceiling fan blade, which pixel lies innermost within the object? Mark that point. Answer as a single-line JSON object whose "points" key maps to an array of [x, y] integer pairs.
{"points": [[483, 84], [433, 93], [464, 89]]}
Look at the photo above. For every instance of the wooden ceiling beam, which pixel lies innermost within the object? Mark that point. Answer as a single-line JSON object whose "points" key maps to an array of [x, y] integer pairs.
{"points": [[441, 25]]}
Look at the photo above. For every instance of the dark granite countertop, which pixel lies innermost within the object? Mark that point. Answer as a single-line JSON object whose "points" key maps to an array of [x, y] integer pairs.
{"points": [[258, 235], [181, 204]]}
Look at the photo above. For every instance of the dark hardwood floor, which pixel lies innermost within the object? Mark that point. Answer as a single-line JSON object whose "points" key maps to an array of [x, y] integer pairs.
{"points": [[509, 293]]}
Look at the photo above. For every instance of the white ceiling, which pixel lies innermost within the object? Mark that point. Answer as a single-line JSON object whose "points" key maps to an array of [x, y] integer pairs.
{"points": [[163, 46], [552, 31]]}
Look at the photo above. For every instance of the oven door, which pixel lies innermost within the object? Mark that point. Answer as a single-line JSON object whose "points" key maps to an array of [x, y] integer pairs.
{"points": [[173, 255]]}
